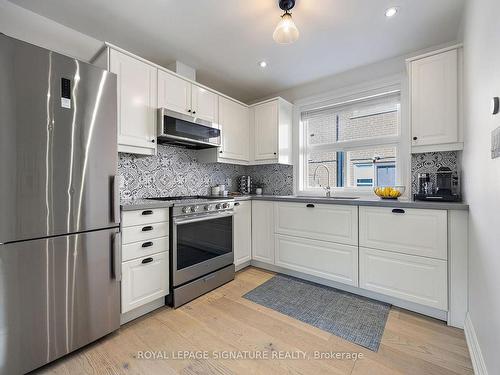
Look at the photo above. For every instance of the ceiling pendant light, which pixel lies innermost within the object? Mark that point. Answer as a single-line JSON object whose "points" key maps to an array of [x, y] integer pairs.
{"points": [[286, 32]]}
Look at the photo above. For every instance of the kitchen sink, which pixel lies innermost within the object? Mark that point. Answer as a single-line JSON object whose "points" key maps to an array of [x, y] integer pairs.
{"points": [[332, 198], [342, 197]]}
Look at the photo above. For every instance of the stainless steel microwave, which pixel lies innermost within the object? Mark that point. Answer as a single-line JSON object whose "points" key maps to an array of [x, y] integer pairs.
{"points": [[188, 131]]}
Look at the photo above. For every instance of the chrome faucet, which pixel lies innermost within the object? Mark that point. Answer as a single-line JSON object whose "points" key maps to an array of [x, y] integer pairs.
{"points": [[327, 188]]}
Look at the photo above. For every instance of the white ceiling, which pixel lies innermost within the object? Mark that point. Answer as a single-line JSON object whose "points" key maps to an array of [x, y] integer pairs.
{"points": [[225, 39]]}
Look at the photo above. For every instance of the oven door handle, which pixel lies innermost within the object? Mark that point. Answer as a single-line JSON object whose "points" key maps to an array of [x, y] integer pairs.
{"points": [[202, 218]]}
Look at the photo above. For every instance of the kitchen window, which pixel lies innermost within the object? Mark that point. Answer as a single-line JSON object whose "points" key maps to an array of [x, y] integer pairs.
{"points": [[357, 143]]}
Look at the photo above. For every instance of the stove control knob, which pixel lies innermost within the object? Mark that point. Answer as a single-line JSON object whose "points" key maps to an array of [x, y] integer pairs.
{"points": [[194, 208], [218, 206], [186, 209], [207, 207], [225, 205]]}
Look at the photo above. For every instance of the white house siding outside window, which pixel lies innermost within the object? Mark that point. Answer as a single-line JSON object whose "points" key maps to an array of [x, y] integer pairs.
{"points": [[358, 141]]}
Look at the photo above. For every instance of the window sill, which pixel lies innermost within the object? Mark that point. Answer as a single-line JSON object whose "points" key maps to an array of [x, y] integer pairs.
{"points": [[365, 193]]}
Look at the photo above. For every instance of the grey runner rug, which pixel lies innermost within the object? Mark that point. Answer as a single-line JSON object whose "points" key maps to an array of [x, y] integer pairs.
{"points": [[355, 318]]}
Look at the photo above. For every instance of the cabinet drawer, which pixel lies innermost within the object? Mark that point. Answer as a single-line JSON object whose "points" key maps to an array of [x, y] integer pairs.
{"points": [[408, 277], [141, 249], [148, 216], [408, 231], [144, 232], [144, 280], [327, 222], [328, 260]]}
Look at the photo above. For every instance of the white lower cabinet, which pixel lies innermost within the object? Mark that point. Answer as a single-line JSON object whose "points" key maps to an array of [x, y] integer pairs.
{"points": [[326, 222], [411, 278], [144, 280], [328, 260], [142, 248], [409, 231], [401, 253], [144, 232], [145, 261], [242, 232], [143, 217], [263, 231]]}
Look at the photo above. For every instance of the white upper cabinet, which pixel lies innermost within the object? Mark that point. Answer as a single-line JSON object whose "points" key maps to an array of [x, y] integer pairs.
{"points": [[180, 95], [271, 124], [265, 122], [137, 103], [260, 134], [235, 133], [204, 104], [234, 125], [434, 102], [174, 93]]}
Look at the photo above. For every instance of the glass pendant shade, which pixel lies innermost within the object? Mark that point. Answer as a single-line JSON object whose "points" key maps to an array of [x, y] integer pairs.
{"points": [[286, 32]]}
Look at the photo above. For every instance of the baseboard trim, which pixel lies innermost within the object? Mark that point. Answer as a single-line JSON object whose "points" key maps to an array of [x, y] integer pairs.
{"points": [[142, 310], [239, 267], [474, 349]]}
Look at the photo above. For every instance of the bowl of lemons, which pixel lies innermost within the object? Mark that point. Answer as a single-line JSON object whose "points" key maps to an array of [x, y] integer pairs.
{"points": [[389, 192]]}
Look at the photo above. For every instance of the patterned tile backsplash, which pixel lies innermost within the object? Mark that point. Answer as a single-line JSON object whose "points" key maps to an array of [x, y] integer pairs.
{"points": [[175, 171], [430, 162]]}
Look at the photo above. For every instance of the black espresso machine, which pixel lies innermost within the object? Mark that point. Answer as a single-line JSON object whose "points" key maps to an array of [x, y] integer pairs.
{"points": [[441, 186]]}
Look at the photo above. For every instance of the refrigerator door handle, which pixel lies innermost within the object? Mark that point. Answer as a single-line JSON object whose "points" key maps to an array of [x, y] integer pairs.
{"points": [[116, 261], [116, 200]]}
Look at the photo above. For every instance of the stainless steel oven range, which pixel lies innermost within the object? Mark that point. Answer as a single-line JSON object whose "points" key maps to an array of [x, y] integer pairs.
{"points": [[201, 239]]}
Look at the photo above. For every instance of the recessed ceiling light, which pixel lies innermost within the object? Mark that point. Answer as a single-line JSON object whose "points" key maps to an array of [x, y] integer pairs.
{"points": [[262, 64], [391, 12]]}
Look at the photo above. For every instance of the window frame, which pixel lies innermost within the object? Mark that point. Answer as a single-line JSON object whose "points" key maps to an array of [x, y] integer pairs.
{"points": [[343, 99]]}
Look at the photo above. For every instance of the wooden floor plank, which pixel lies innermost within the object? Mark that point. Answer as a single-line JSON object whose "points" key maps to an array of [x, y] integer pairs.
{"points": [[224, 321]]}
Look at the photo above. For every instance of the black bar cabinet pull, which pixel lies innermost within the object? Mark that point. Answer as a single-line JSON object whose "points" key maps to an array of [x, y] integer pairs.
{"points": [[147, 244], [398, 211], [147, 229], [237, 204], [147, 260], [147, 212], [310, 205]]}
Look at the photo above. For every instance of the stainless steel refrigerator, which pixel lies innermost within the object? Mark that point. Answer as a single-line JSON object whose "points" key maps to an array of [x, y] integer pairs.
{"points": [[59, 209]]}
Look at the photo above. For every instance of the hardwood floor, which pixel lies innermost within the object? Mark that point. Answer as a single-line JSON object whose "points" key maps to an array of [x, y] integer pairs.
{"points": [[224, 322]]}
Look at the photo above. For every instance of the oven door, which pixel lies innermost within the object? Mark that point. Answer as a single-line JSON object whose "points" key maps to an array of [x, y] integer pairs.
{"points": [[201, 245]]}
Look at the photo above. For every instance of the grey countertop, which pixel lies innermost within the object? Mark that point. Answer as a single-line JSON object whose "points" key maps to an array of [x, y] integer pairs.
{"points": [[377, 202], [144, 204]]}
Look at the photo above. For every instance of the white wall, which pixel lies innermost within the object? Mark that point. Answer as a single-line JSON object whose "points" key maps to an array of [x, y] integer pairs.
{"points": [[481, 175], [23, 24], [353, 77], [358, 76]]}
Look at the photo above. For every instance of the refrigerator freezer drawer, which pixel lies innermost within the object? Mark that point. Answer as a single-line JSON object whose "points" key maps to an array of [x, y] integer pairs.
{"points": [[56, 295]]}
